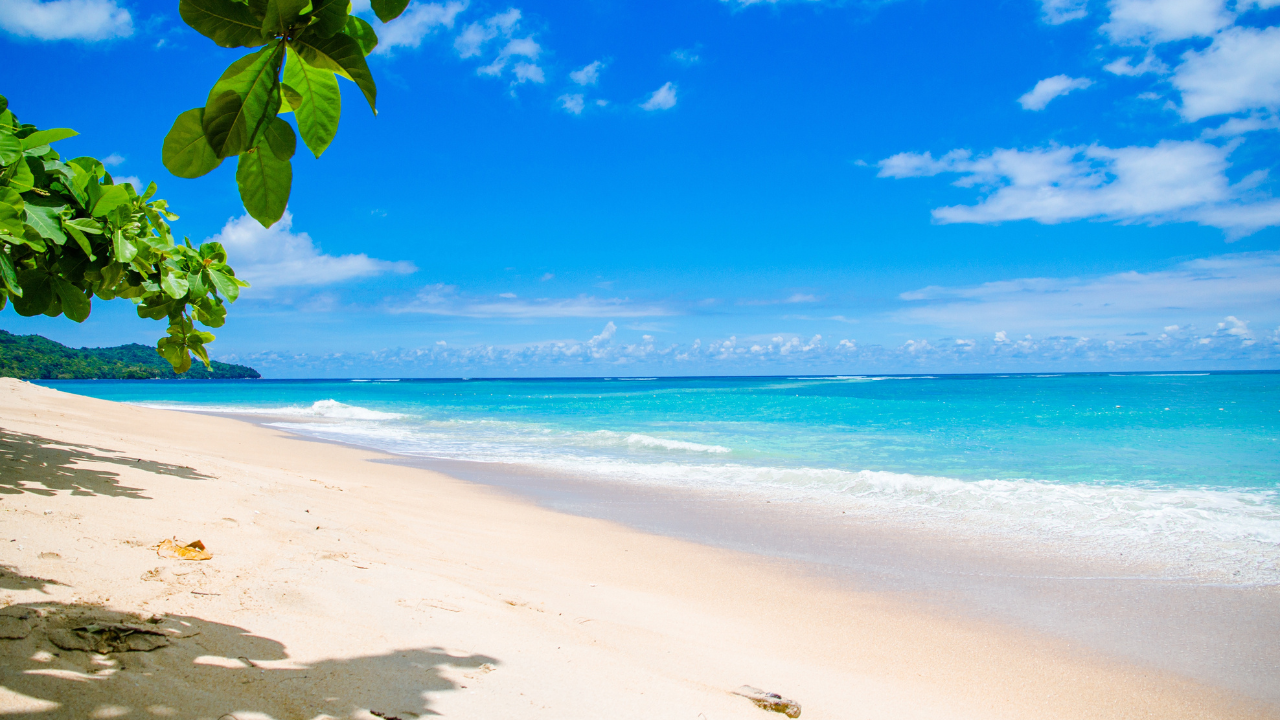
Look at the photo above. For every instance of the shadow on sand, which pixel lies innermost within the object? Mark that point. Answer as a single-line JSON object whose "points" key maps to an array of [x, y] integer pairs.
{"points": [[32, 464], [206, 670]]}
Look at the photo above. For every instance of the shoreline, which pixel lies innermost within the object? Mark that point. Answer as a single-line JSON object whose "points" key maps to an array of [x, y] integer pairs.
{"points": [[585, 617], [1226, 634]]}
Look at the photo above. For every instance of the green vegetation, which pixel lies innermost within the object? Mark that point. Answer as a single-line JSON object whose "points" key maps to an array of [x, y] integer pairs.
{"points": [[311, 42], [68, 233], [32, 357]]}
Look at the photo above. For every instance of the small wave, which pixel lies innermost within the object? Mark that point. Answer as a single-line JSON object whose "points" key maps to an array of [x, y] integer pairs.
{"points": [[330, 409], [657, 442], [1048, 376]]}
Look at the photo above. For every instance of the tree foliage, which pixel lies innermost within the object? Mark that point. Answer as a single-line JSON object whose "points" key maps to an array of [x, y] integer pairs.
{"points": [[69, 233], [304, 46]]}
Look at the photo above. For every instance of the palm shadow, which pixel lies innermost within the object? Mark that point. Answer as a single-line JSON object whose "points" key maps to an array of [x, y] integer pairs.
{"points": [[32, 464], [208, 670], [11, 579]]}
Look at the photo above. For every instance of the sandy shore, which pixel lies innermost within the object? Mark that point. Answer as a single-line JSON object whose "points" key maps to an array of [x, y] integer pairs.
{"points": [[341, 587]]}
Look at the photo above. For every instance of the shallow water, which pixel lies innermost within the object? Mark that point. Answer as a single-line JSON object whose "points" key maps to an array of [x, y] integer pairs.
{"points": [[1181, 470]]}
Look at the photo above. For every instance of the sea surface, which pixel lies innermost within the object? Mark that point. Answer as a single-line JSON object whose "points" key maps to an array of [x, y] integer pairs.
{"points": [[1179, 469]]}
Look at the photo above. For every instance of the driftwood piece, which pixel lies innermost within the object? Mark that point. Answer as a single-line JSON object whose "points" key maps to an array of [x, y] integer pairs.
{"points": [[769, 701]]}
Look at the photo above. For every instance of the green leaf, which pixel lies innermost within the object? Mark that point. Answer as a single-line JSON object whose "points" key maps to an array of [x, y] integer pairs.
{"points": [[85, 225], [343, 55], [330, 17], [290, 99], [81, 240], [175, 285], [186, 151], [226, 23], [264, 182], [362, 32], [125, 250], [281, 140], [243, 101], [44, 137], [47, 220], [8, 275], [12, 211], [226, 285], [10, 148], [23, 179], [4, 103], [36, 295], [388, 10], [280, 15], [74, 303], [321, 105], [112, 197]]}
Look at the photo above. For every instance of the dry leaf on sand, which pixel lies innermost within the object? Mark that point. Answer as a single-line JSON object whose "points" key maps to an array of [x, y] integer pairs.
{"points": [[190, 551]]}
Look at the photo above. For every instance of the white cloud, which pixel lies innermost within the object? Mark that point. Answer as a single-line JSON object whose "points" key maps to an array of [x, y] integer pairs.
{"points": [[475, 36], [113, 159], [1149, 64], [447, 301], [133, 180], [1240, 125], [1164, 20], [275, 257], [572, 103], [421, 20], [66, 19], [1239, 71], [1049, 88], [517, 47], [664, 98], [686, 57], [547, 276], [1197, 291], [528, 72], [1056, 12], [588, 75], [801, 298], [1170, 182]]}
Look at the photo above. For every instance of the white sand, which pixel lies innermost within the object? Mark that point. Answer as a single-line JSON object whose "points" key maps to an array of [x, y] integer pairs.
{"points": [[341, 586]]}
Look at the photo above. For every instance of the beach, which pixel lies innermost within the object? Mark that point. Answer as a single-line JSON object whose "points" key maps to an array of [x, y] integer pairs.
{"points": [[344, 585]]}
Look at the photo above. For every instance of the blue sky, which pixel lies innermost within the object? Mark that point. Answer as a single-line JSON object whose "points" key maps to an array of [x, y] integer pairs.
{"points": [[600, 187]]}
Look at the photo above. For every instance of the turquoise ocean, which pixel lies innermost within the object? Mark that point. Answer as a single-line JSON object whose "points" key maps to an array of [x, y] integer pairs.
{"points": [[1181, 469]]}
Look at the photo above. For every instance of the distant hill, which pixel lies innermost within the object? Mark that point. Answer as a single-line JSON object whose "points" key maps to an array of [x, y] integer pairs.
{"points": [[32, 357]]}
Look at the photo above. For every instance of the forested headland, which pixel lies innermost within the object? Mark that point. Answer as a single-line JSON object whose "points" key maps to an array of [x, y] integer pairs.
{"points": [[33, 357]]}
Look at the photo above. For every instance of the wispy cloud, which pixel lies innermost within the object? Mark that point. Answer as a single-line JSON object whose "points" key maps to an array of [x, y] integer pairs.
{"points": [[686, 56], [88, 20], [588, 75], [421, 20], [1049, 88], [1170, 182], [573, 103], [664, 98], [276, 257], [446, 300], [1244, 285], [1056, 12]]}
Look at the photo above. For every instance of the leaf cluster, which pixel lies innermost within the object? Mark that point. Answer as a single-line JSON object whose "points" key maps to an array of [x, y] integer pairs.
{"points": [[305, 45], [69, 233]]}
